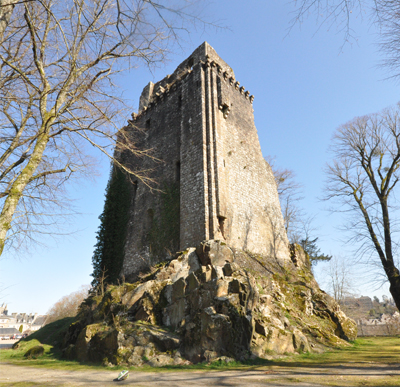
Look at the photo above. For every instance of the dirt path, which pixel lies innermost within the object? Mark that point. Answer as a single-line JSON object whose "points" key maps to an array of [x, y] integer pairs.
{"points": [[4, 344], [371, 375]]}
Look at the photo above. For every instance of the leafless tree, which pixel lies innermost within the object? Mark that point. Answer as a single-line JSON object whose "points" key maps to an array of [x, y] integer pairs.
{"points": [[58, 99], [340, 280], [298, 225], [67, 306], [385, 14], [290, 194], [362, 180], [331, 13]]}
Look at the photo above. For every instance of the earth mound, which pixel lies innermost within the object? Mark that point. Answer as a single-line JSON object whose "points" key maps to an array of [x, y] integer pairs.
{"points": [[210, 302]]}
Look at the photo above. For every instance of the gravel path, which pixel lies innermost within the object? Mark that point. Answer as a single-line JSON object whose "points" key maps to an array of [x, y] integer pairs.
{"points": [[273, 376]]}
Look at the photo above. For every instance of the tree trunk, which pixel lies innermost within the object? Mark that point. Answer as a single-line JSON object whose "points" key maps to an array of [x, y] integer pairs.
{"points": [[6, 10], [394, 280], [19, 185]]}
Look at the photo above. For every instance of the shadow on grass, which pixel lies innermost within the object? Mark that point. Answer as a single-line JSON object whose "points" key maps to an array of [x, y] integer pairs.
{"points": [[366, 352]]}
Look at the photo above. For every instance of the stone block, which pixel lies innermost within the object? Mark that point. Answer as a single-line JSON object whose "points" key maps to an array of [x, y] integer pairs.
{"points": [[222, 288], [174, 314], [178, 289], [214, 253], [130, 298], [227, 269], [192, 283]]}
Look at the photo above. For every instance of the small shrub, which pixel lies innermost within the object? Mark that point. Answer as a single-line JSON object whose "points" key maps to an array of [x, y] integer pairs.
{"points": [[34, 352]]}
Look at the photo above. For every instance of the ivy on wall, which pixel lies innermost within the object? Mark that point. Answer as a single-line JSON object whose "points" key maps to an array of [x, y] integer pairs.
{"points": [[109, 250], [165, 228]]}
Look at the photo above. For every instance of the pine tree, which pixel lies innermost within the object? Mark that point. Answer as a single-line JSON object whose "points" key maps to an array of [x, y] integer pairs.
{"points": [[311, 248], [109, 250]]}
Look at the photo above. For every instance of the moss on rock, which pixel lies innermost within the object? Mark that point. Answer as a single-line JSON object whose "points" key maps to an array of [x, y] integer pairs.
{"points": [[34, 352], [189, 311]]}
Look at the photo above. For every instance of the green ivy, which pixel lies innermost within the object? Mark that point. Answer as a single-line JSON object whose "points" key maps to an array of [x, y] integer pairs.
{"points": [[165, 228], [109, 250]]}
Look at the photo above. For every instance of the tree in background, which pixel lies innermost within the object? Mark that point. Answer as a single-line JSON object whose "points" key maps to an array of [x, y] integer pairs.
{"points": [[385, 14], [298, 225], [313, 251], [67, 306], [290, 195], [58, 63], [362, 182], [340, 282]]}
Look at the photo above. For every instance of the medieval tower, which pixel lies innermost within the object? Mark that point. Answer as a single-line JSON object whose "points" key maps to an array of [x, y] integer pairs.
{"points": [[212, 180]]}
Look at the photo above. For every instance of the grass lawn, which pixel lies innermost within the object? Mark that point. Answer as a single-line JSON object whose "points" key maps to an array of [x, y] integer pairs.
{"points": [[363, 352], [373, 361]]}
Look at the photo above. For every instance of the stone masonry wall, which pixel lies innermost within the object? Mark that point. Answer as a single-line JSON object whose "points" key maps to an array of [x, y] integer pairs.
{"points": [[212, 180]]}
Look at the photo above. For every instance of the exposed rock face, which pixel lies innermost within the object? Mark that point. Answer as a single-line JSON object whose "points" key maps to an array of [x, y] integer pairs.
{"points": [[201, 306]]}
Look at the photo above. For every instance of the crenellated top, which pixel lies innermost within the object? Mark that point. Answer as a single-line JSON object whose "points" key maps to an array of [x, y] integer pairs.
{"points": [[204, 56], [226, 77]]}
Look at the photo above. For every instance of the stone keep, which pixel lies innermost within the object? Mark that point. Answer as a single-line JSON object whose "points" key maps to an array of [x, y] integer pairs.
{"points": [[212, 180]]}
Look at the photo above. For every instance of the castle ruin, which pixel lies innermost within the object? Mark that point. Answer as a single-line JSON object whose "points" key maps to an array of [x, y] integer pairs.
{"points": [[227, 291], [213, 182]]}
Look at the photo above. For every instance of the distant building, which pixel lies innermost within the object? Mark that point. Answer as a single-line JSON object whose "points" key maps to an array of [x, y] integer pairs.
{"points": [[364, 303], [383, 321], [9, 332], [31, 322]]}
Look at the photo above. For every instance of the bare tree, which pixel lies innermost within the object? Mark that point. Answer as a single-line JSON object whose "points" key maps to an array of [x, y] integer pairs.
{"points": [[289, 191], [339, 279], [298, 225], [385, 14], [362, 180], [67, 306], [58, 64], [331, 13]]}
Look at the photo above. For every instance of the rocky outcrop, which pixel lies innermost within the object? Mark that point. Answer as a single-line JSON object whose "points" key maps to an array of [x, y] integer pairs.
{"points": [[208, 303]]}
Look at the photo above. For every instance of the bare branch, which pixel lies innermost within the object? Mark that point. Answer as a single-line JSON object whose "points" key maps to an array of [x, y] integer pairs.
{"points": [[58, 101], [362, 179]]}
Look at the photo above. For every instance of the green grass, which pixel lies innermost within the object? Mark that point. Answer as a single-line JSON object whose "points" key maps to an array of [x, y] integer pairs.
{"points": [[367, 356], [362, 352], [50, 337]]}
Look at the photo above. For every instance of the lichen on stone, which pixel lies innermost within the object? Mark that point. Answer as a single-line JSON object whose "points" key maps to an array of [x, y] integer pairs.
{"points": [[225, 303]]}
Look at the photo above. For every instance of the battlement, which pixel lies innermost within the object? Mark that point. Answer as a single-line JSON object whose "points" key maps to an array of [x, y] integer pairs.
{"points": [[204, 56]]}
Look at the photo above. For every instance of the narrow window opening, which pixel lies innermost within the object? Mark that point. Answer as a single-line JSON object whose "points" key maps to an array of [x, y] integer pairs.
{"points": [[179, 101], [190, 63], [135, 187], [148, 124], [149, 226], [178, 171], [134, 191]]}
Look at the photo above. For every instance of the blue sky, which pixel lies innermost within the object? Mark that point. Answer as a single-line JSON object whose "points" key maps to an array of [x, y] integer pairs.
{"points": [[304, 85]]}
